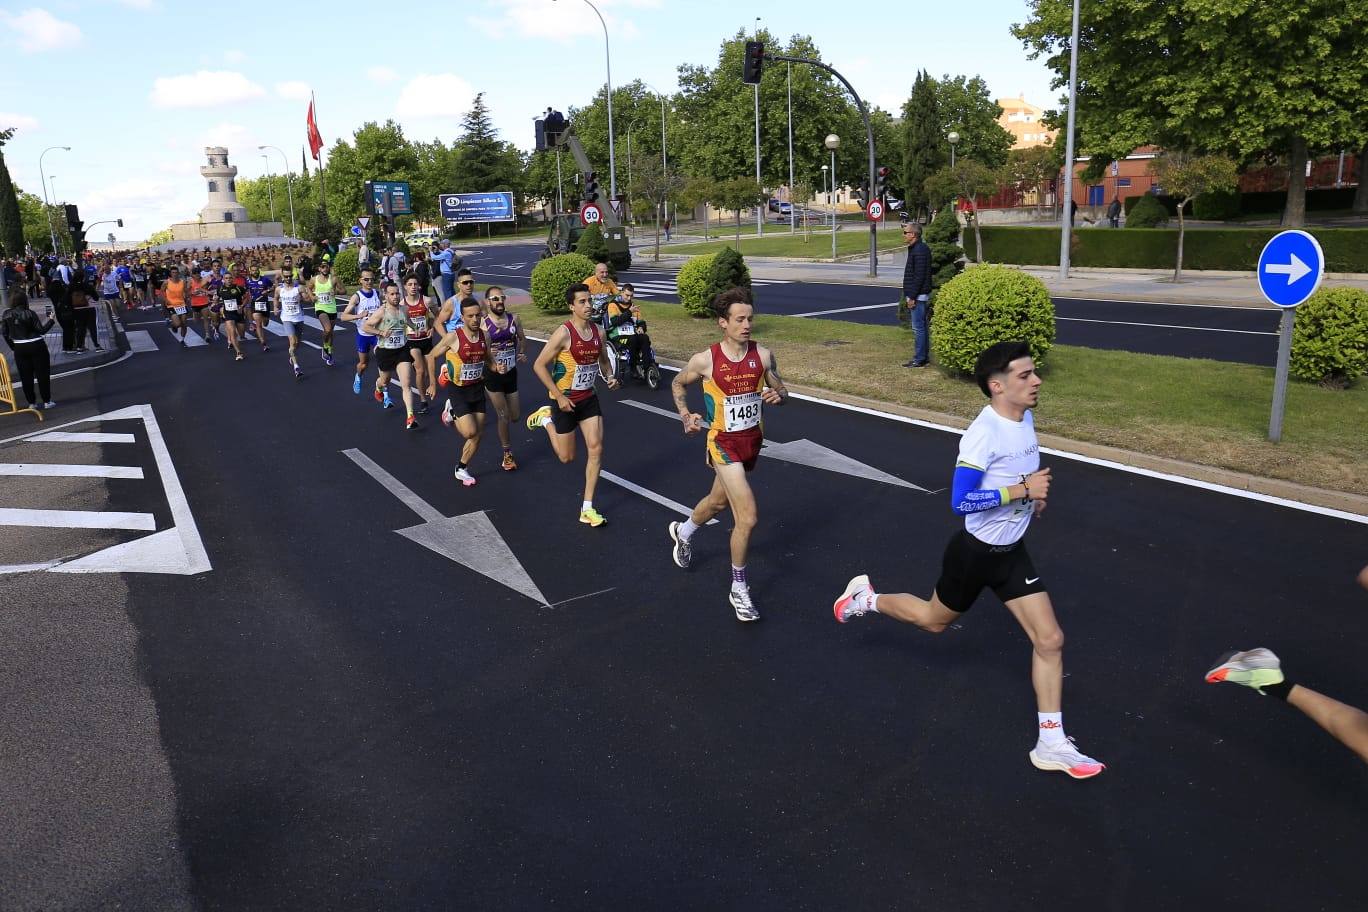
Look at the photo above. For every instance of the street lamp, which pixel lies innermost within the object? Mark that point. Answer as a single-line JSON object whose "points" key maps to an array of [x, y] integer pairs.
{"points": [[608, 63], [289, 190], [759, 209], [52, 232], [1066, 216], [833, 142], [954, 141], [270, 188]]}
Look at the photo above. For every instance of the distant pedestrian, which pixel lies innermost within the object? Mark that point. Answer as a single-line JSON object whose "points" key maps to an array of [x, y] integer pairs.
{"points": [[24, 330], [363, 255], [917, 292], [83, 310], [667, 228], [1114, 212], [1073, 211]]}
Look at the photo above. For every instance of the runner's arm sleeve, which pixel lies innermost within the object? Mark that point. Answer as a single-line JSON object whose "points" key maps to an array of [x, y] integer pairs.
{"points": [[967, 497]]}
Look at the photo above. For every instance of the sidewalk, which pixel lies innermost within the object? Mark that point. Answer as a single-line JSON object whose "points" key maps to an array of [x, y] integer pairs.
{"points": [[113, 345]]}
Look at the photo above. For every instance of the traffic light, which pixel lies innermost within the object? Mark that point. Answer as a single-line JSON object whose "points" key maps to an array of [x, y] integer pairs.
{"points": [[591, 186], [862, 193], [755, 60], [77, 229], [881, 183]]}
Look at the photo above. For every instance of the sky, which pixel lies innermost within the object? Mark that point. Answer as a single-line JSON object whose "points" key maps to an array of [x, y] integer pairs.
{"points": [[138, 88]]}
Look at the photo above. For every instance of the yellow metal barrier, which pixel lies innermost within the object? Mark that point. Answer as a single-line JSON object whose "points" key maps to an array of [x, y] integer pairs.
{"points": [[8, 394]]}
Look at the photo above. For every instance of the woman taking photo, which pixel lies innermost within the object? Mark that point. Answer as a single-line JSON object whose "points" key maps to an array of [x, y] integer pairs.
{"points": [[24, 330]]}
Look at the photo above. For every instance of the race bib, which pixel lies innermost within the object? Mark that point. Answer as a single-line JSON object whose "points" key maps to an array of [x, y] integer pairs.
{"points": [[290, 309], [325, 299], [230, 304], [472, 372], [418, 324], [261, 306], [181, 310], [741, 413], [585, 376], [128, 284], [508, 359], [395, 338]]}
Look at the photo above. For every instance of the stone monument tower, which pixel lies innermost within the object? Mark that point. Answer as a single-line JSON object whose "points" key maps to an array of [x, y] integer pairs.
{"points": [[223, 205]]}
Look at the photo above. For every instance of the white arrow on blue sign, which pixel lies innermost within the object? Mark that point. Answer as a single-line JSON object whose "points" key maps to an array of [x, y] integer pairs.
{"points": [[1290, 268]]}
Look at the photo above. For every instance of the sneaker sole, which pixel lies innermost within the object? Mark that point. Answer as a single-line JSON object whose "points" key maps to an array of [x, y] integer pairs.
{"points": [[1058, 766], [855, 583], [1251, 675], [751, 615], [674, 552]]}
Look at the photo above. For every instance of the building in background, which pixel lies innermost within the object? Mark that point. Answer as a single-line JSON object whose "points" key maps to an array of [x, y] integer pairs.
{"points": [[223, 217], [1022, 120]]}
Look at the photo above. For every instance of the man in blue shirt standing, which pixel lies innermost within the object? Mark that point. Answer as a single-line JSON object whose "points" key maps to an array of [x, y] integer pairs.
{"points": [[446, 259], [917, 291]]}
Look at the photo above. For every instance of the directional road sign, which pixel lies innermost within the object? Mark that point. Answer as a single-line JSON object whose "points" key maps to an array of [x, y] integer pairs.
{"points": [[356, 230], [1290, 268], [590, 214], [875, 210]]}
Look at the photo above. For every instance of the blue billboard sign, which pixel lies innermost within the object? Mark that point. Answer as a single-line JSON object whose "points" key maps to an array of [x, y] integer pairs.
{"points": [[477, 207]]}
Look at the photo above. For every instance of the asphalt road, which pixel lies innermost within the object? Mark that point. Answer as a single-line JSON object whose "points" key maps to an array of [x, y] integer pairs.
{"points": [[348, 719], [1238, 334]]}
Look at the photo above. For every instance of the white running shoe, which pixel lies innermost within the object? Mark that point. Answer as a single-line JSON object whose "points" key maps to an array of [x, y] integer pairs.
{"points": [[1256, 668], [1065, 758], [681, 552], [465, 477], [447, 417], [857, 599], [741, 603]]}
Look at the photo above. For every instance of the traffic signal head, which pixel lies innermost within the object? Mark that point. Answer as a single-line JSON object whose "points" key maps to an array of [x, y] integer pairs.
{"points": [[73, 216], [881, 182], [591, 186], [754, 61]]}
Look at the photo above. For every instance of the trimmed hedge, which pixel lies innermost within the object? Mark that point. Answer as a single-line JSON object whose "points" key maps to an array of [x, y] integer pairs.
{"points": [[1263, 202], [1330, 337], [985, 305], [1235, 249], [344, 266], [692, 285], [553, 275], [1216, 206]]}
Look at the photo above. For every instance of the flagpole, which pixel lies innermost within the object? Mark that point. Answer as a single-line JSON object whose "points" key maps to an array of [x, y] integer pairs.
{"points": [[322, 178]]}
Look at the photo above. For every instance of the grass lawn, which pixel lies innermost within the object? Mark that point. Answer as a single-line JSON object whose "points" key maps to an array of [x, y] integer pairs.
{"points": [[1208, 412], [778, 242], [530, 234]]}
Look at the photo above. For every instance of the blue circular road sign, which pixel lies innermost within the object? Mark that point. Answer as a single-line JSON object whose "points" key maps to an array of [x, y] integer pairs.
{"points": [[1290, 268]]}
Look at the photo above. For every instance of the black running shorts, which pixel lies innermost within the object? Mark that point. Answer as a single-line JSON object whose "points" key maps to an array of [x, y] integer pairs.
{"points": [[468, 400], [387, 359], [502, 383], [566, 422], [969, 566]]}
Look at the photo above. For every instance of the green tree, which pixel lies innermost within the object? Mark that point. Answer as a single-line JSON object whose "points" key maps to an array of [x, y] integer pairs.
{"points": [[967, 108], [592, 245], [943, 237], [799, 197], [41, 222], [1185, 176], [158, 237], [923, 143], [727, 271], [1282, 77], [11, 222], [1032, 168], [738, 195], [967, 179], [652, 185], [377, 152], [699, 191]]}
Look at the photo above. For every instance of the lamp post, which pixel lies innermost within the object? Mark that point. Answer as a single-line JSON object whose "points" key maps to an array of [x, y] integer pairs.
{"points": [[833, 142], [289, 190], [52, 232], [1066, 220], [793, 214], [954, 141], [824, 186], [270, 188], [760, 207], [608, 63]]}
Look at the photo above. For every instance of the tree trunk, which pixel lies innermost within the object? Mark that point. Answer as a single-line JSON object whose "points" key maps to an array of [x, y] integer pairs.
{"points": [[1294, 215], [1178, 269], [657, 256], [738, 229], [1361, 195], [978, 237]]}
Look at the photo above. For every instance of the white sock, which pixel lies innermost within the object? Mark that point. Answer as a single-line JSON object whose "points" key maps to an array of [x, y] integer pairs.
{"points": [[547, 422], [871, 600], [1051, 727], [587, 505], [687, 529]]}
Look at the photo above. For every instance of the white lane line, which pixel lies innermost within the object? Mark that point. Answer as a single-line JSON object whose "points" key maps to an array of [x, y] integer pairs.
{"points": [[1210, 329], [30, 568], [837, 310], [140, 340], [77, 519], [1156, 303], [651, 495], [81, 370], [56, 470], [81, 437], [656, 409], [426, 511]]}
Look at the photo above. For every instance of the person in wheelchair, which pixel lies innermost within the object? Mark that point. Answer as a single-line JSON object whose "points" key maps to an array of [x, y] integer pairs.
{"points": [[627, 330]]}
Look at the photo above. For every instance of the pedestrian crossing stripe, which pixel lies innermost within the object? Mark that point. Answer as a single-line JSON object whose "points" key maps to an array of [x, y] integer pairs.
{"points": [[646, 289]]}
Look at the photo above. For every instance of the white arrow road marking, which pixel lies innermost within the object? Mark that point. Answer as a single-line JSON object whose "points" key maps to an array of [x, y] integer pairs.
{"points": [[470, 540], [1294, 270], [805, 452], [651, 495], [54, 470]]}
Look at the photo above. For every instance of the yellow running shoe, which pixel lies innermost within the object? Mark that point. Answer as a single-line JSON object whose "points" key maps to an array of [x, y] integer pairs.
{"points": [[535, 419], [591, 517]]}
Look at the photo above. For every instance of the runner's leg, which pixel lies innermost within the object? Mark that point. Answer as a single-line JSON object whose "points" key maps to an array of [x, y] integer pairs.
{"points": [[1036, 615], [406, 372], [592, 429]]}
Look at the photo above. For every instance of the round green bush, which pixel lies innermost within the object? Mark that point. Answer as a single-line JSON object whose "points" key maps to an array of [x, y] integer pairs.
{"points": [[1330, 337], [553, 275], [1147, 213], [1216, 206], [345, 268], [985, 305], [693, 284], [728, 271]]}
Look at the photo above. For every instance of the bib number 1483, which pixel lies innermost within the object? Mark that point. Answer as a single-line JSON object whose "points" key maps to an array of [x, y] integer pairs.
{"points": [[742, 412]]}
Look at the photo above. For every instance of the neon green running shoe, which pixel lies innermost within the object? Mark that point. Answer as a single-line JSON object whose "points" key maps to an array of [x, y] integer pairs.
{"points": [[535, 419], [1256, 668], [591, 517]]}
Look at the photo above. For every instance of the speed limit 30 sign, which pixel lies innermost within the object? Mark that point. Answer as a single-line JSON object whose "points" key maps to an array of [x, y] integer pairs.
{"points": [[875, 210], [590, 214]]}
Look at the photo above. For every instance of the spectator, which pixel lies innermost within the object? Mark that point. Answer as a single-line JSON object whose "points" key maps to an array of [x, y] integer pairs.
{"points": [[446, 263], [917, 292], [363, 254], [83, 311], [1073, 211], [1114, 212], [24, 330]]}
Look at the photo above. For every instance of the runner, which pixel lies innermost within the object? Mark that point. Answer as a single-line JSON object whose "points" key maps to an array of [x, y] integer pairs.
{"points": [[325, 306], [261, 292], [125, 282], [359, 309], [232, 296], [419, 310], [506, 339], [199, 303], [389, 323], [569, 364], [175, 292], [739, 379], [998, 487], [289, 310], [137, 272], [449, 317], [468, 354]]}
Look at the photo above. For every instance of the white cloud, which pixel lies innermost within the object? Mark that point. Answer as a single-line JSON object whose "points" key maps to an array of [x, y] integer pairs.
{"points": [[18, 121], [564, 22], [38, 30], [233, 55], [294, 90], [203, 89], [440, 95], [381, 74]]}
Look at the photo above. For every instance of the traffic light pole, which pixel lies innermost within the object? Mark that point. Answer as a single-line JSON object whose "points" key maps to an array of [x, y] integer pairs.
{"points": [[869, 132]]}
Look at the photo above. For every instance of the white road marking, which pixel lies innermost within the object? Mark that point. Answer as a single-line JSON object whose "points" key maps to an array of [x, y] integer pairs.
{"points": [[192, 338], [651, 495], [81, 370], [80, 437], [77, 519], [140, 340], [56, 470], [1246, 332], [837, 310], [426, 511]]}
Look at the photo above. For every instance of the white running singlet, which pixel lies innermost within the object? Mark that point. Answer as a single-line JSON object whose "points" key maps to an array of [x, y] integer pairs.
{"points": [[1006, 450], [290, 310], [365, 306]]}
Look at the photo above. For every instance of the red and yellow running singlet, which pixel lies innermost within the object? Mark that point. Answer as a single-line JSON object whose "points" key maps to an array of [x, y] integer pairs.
{"points": [[577, 368], [731, 401], [466, 362]]}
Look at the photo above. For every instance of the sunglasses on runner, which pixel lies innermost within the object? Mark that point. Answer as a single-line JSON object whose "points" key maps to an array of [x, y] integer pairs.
{"points": [[467, 281], [496, 300]]}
